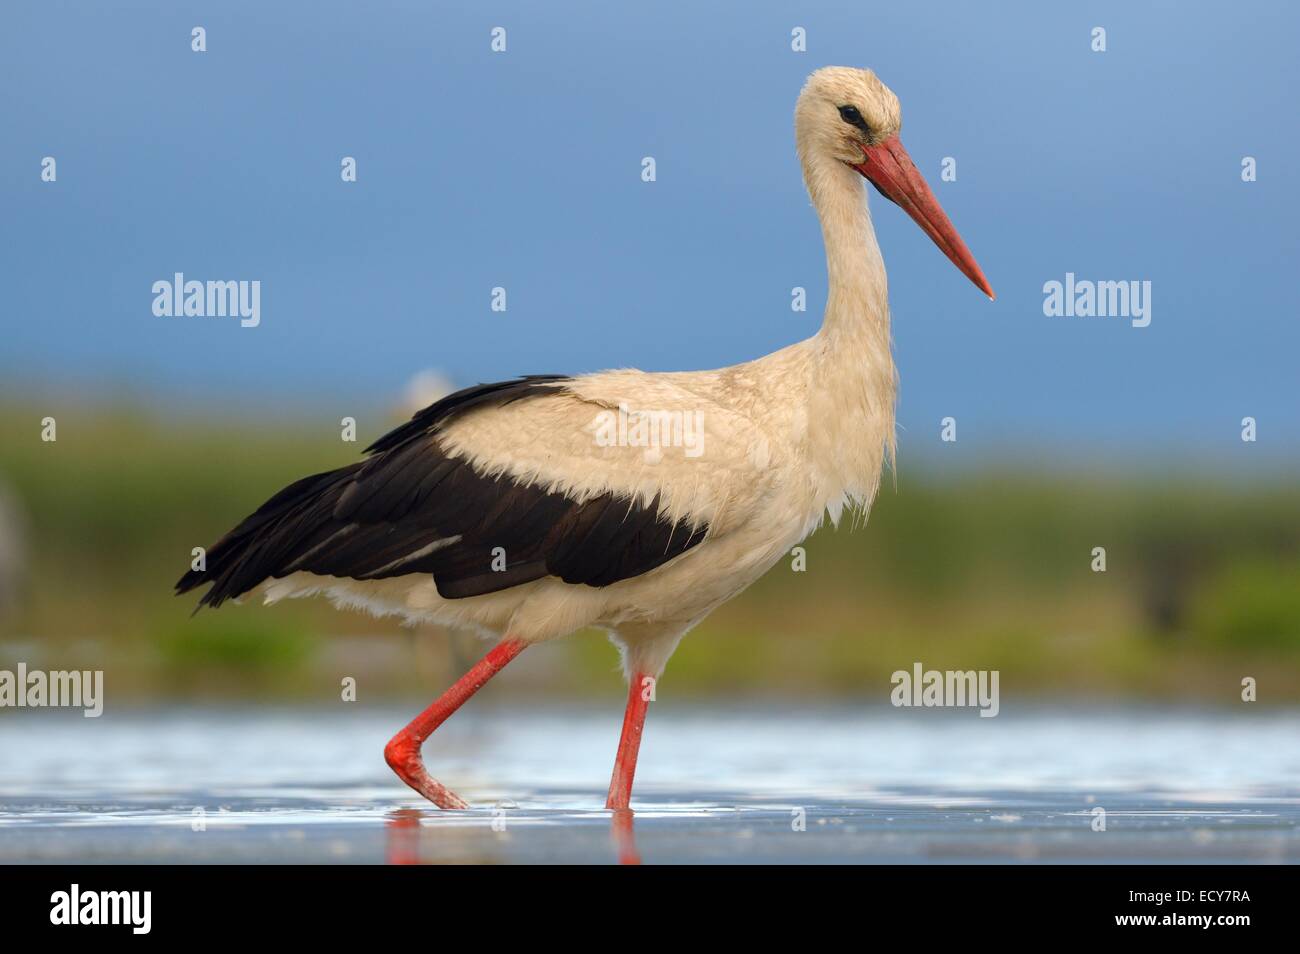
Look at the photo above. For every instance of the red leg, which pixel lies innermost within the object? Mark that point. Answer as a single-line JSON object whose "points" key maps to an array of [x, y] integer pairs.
{"points": [[403, 751], [629, 744]]}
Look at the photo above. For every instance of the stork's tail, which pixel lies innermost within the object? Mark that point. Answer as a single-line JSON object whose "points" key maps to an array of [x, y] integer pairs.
{"points": [[266, 542]]}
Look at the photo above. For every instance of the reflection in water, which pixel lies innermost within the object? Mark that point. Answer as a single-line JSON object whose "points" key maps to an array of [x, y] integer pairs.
{"points": [[404, 834], [402, 845], [621, 827]]}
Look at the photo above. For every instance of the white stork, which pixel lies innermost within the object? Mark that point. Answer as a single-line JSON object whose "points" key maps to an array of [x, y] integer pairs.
{"points": [[501, 509]]}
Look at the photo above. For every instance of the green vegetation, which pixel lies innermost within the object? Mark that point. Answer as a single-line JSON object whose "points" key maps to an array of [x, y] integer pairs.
{"points": [[987, 571]]}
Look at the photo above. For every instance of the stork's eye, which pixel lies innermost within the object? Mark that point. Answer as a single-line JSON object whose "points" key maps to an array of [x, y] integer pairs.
{"points": [[851, 116]]}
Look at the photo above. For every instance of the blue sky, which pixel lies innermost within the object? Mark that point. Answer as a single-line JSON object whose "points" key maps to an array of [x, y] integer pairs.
{"points": [[522, 169]]}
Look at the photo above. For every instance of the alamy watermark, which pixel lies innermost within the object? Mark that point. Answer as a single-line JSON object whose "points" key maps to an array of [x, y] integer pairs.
{"points": [[1088, 299], [651, 429], [129, 908], [64, 689], [946, 688], [193, 299]]}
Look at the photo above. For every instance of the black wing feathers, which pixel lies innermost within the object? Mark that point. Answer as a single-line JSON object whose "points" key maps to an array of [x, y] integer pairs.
{"points": [[411, 509]]}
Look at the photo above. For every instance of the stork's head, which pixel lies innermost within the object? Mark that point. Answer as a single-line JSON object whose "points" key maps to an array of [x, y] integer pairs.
{"points": [[848, 116]]}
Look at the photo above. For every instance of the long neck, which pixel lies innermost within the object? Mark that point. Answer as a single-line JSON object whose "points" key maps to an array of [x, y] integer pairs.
{"points": [[857, 306], [856, 383]]}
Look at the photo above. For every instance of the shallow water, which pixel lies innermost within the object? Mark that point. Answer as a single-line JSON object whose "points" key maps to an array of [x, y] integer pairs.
{"points": [[736, 785]]}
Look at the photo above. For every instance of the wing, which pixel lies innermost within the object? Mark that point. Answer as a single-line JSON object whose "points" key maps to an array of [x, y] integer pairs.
{"points": [[489, 488]]}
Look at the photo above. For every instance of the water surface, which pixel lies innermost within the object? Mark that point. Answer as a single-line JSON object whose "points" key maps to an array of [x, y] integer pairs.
{"points": [[736, 785]]}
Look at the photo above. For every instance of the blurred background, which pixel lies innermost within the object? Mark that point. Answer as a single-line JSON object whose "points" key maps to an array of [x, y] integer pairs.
{"points": [[522, 169]]}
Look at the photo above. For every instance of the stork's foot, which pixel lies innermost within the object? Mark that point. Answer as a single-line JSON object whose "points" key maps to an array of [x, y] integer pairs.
{"points": [[402, 754]]}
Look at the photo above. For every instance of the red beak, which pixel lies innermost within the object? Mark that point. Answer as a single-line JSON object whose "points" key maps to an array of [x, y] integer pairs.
{"points": [[890, 169]]}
